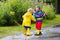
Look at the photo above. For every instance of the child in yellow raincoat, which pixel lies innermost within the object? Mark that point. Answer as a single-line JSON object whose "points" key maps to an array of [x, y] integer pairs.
{"points": [[27, 17]]}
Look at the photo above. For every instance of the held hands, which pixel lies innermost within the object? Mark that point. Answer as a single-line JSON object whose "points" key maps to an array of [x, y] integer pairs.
{"points": [[46, 14]]}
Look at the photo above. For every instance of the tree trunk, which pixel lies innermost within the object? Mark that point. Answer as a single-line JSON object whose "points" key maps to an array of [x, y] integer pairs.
{"points": [[58, 6]]}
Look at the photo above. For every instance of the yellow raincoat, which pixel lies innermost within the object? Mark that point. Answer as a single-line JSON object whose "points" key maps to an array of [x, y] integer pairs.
{"points": [[27, 17]]}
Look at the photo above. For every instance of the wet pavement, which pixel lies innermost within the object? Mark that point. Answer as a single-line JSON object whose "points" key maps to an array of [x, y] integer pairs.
{"points": [[49, 33]]}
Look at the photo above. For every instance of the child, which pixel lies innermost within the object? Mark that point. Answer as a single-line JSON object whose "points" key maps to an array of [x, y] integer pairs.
{"points": [[27, 17], [38, 15]]}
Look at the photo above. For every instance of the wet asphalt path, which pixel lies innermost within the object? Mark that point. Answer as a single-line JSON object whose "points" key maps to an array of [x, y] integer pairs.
{"points": [[49, 33]]}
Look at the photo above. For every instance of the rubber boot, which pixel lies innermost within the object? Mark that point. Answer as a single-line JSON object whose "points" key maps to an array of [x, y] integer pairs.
{"points": [[28, 32], [25, 31], [38, 33]]}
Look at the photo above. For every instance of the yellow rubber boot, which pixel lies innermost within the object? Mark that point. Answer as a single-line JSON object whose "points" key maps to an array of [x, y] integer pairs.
{"points": [[28, 32], [25, 31], [38, 31]]}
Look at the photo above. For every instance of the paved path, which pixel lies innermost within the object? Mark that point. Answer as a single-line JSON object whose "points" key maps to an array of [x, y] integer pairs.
{"points": [[49, 33]]}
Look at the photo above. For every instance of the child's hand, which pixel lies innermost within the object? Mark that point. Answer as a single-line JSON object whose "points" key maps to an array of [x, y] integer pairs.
{"points": [[46, 14]]}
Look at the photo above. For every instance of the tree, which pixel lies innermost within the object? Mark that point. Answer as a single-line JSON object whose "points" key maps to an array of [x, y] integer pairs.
{"points": [[58, 6]]}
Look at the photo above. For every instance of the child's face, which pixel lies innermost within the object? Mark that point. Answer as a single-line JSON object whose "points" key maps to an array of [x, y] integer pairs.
{"points": [[37, 9]]}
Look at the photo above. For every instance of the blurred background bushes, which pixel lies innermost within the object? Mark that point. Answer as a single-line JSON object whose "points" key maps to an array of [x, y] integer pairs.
{"points": [[18, 8]]}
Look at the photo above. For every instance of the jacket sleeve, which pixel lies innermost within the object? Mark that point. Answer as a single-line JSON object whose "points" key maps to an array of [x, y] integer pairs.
{"points": [[41, 14], [33, 18], [35, 15]]}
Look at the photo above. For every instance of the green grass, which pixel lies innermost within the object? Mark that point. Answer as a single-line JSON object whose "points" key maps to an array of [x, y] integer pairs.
{"points": [[4, 31], [8, 30], [52, 22]]}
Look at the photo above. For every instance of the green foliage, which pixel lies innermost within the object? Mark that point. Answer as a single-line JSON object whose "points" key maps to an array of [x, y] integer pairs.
{"points": [[49, 10], [17, 6], [50, 1], [2, 0]]}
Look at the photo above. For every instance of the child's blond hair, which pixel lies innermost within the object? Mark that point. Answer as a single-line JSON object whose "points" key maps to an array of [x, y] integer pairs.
{"points": [[30, 9]]}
